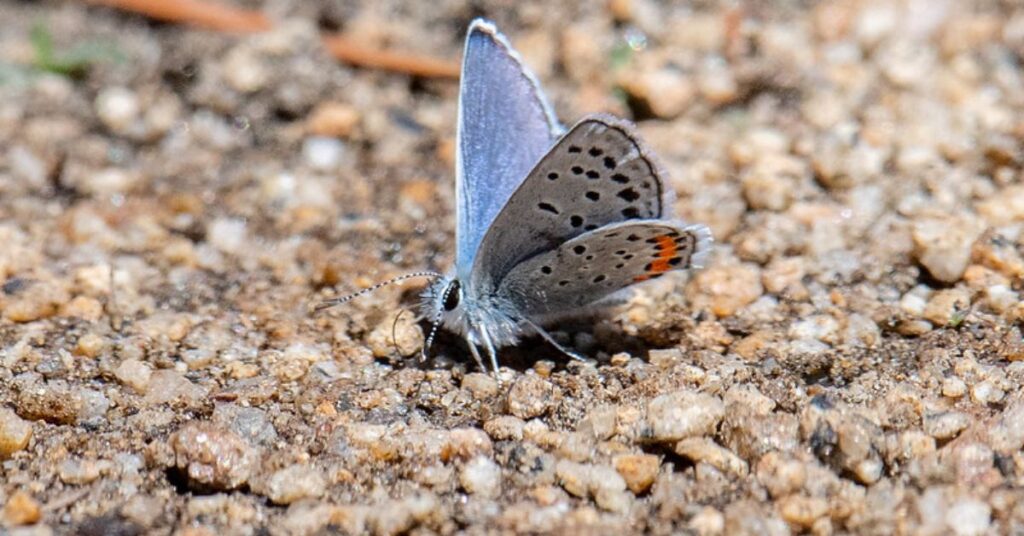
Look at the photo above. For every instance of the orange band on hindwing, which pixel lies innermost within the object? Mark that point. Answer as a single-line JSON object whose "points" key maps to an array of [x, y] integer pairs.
{"points": [[665, 259]]}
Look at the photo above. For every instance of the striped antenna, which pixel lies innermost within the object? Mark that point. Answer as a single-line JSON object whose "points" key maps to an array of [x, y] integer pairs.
{"points": [[326, 304], [434, 324]]}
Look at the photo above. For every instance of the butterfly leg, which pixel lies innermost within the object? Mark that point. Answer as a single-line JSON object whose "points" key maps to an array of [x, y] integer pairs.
{"points": [[547, 337], [491, 351], [476, 354]]}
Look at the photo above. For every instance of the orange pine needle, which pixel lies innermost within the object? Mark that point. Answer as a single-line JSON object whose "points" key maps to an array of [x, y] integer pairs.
{"points": [[195, 12], [349, 52], [225, 18]]}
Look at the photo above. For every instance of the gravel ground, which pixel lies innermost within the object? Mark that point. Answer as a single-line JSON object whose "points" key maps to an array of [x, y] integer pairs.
{"points": [[850, 361]]}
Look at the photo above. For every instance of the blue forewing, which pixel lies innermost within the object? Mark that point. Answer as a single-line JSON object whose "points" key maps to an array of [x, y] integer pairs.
{"points": [[505, 126]]}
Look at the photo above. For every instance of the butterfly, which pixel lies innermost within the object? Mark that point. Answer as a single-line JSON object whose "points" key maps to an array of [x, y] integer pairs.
{"points": [[550, 221]]}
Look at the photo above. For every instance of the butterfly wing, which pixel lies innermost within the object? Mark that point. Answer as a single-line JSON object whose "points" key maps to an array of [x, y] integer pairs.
{"points": [[598, 263], [505, 126], [598, 173]]}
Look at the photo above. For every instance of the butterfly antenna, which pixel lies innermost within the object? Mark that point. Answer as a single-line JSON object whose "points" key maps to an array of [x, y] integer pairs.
{"points": [[326, 304], [434, 324]]}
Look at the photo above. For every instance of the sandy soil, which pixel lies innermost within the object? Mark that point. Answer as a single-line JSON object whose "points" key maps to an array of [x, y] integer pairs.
{"points": [[173, 203]]}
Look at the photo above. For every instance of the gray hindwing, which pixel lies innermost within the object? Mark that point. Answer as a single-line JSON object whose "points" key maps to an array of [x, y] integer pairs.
{"points": [[596, 264]]}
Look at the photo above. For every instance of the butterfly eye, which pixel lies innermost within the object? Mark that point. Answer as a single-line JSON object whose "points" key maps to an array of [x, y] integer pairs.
{"points": [[452, 294]]}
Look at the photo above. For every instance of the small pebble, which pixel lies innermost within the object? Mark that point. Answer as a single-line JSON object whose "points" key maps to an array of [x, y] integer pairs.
{"points": [[943, 246], [465, 443], [333, 119], [244, 70], [946, 425], [969, 517], [725, 289], [599, 422], [78, 471], [705, 450], [21, 509], [481, 386], [1000, 298], [95, 279], [90, 345], [620, 359], [404, 336], [780, 474], [228, 235], [716, 83], [292, 484], [15, 433], [213, 457], [818, 327], [167, 386], [945, 305], [707, 522], [322, 153], [504, 428], [1007, 432], [110, 181], [251, 424], [118, 108], [954, 387], [39, 300], [638, 470], [135, 374], [142, 510], [603, 483], [682, 414], [664, 358], [531, 396], [667, 92], [481, 476], [802, 510], [986, 392]]}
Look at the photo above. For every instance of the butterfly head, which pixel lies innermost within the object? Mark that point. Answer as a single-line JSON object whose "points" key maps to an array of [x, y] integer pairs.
{"points": [[443, 303]]}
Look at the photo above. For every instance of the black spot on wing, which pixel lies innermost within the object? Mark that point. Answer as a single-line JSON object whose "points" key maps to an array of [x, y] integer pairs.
{"points": [[547, 207]]}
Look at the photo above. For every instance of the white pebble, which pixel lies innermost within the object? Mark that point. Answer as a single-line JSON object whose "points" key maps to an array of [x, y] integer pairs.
{"points": [[109, 181], [294, 483], [953, 387], [481, 476], [26, 166], [244, 71], [968, 517], [817, 327], [915, 300], [227, 234], [117, 108], [987, 393], [1000, 298], [135, 374], [683, 414], [323, 153]]}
